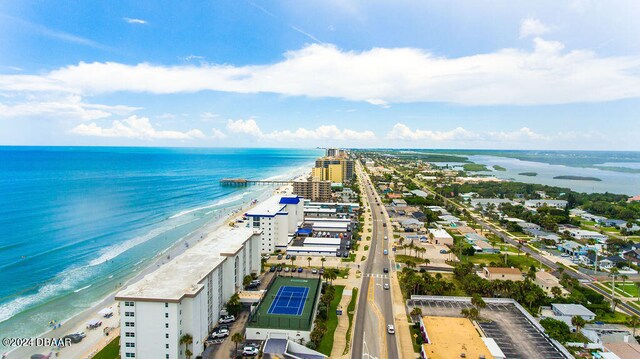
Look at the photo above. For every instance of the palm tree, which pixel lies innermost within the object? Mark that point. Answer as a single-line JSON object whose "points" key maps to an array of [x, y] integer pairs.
{"points": [[624, 279], [615, 303], [637, 290], [556, 291], [578, 322], [323, 259], [613, 273], [293, 258], [237, 338], [417, 311], [633, 322], [187, 340], [309, 261], [478, 303]]}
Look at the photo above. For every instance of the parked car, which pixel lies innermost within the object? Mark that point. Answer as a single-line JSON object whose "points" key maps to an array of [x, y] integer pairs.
{"points": [[73, 338], [227, 319], [286, 269], [385, 252], [386, 286], [314, 271], [219, 333], [279, 269], [300, 269], [321, 270], [288, 256], [384, 224], [444, 251], [249, 351], [345, 254], [252, 286], [272, 269], [385, 270], [279, 256], [391, 329], [256, 281], [222, 326]]}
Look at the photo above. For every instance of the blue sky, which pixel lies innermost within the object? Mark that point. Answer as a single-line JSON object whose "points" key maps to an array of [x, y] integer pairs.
{"points": [[430, 74]]}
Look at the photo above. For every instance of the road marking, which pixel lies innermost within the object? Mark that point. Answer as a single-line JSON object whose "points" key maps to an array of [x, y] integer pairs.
{"points": [[378, 314]]}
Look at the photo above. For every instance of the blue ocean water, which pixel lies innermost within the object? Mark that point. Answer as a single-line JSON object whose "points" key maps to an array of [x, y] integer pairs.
{"points": [[76, 222]]}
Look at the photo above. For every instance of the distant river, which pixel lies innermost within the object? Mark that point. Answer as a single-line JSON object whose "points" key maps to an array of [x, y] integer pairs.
{"points": [[614, 182]]}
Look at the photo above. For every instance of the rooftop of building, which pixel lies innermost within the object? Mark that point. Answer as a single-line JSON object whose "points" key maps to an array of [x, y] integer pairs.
{"points": [[182, 275], [450, 337], [546, 277], [270, 207], [572, 309], [503, 270]]}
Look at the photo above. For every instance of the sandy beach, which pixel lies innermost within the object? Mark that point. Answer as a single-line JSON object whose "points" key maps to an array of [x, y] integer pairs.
{"points": [[96, 339]]}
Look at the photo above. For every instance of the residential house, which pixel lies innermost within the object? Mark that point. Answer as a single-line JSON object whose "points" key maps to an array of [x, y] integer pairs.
{"points": [[484, 247], [475, 237], [484, 202], [399, 203], [547, 281], [572, 310], [500, 273], [618, 223], [572, 248], [581, 234], [411, 225], [420, 193], [542, 235]]}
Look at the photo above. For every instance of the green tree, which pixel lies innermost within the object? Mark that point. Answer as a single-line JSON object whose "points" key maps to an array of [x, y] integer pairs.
{"points": [[478, 302], [233, 305], [614, 303], [633, 322], [417, 311], [186, 339], [556, 292], [246, 280], [578, 322], [309, 261], [237, 338], [323, 259]]}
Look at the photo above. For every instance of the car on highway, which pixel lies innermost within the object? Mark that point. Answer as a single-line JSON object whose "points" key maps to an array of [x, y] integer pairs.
{"points": [[385, 238], [380, 212], [73, 338], [385, 270], [386, 286], [391, 329], [249, 351], [227, 319], [385, 252], [384, 224]]}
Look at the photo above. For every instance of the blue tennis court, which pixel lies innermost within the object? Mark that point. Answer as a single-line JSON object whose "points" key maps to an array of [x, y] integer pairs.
{"points": [[289, 301]]}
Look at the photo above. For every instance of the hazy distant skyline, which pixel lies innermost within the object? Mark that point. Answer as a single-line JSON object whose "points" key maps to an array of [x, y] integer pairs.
{"points": [[404, 74]]}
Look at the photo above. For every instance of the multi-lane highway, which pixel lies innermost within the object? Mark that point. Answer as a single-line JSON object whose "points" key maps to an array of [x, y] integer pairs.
{"points": [[375, 309]]}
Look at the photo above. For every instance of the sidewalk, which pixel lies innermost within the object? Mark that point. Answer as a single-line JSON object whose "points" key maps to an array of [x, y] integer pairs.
{"points": [[340, 335]]}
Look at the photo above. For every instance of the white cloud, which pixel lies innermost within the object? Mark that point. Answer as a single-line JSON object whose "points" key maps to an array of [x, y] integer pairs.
{"points": [[134, 21], [134, 127], [533, 27], [548, 74], [69, 107], [208, 116], [217, 134], [326, 132], [402, 132], [166, 116]]}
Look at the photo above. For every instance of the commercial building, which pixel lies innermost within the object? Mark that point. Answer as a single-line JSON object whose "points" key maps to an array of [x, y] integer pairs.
{"points": [[582, 234], [313, 190], [447, 337], [440, 236], [537, 203], [278, 218], [565, 312], [186, 295]]}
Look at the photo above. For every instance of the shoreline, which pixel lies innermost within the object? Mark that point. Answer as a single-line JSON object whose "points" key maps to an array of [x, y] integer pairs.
{"points": [[95, 339]]}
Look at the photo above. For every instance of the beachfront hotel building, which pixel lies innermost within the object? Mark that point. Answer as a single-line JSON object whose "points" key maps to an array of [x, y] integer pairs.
{"points": [[279, 217], [186, 295], [313, 190], [334, 169]]}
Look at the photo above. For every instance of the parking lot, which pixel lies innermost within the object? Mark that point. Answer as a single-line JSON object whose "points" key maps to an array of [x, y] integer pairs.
{"points": [[516, 336]]}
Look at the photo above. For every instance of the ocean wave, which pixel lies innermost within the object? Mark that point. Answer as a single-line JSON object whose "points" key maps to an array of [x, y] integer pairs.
{"points": [[214, 204], [81, 289], [66, 281]]}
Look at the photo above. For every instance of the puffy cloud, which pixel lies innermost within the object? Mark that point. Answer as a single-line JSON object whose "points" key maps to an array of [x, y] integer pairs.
{"points": [[547, 74], [66, 107], [217, 134], [326, 132], [134, 127], [403, 132], [533, 27]]}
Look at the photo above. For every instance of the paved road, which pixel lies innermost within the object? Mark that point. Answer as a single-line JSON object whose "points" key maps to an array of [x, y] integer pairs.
{"points": [[375, 309]]}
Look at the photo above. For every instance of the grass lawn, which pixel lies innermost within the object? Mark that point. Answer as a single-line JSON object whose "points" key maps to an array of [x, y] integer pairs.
{"points": [[326, 345], [513, 260], [612, 318], [111, 351], [629, 287], [351, 310], [352, 258]]}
